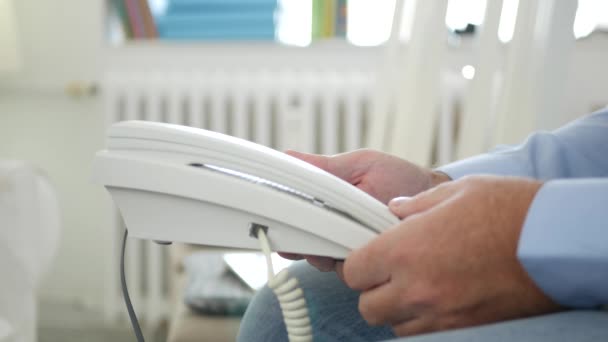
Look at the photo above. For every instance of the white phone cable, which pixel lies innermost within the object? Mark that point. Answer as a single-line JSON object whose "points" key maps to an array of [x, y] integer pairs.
{"points": [[290, 296]]}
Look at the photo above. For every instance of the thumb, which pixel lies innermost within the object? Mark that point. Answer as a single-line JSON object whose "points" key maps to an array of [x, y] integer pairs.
{"points": [[322, 162], [342, 165], [406, 206]]}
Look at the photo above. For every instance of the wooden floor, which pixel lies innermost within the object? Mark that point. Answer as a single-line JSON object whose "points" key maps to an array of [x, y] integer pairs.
{"points": [[66, 323]]}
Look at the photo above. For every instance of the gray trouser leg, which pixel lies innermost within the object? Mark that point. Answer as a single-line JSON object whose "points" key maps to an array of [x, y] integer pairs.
{"points": [[334, 316], [570, 326]]}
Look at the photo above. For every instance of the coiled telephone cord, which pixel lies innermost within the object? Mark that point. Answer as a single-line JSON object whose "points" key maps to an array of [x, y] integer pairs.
{"points": [[290, 296]]}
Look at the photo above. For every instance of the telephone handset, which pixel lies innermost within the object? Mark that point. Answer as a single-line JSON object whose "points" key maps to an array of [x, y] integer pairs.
{"points": [[177, 183]]}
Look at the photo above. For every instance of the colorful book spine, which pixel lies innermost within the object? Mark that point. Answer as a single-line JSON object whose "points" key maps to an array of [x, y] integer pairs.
{"points": [[218, 20], [341, 18], [317, 19], [135, 18], [149, 25], [258, 25], [329, 9], [123, 17], [190, 6], [329, 18]]}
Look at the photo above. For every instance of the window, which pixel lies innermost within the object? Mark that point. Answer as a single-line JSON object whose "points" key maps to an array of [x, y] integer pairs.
{"points": [[591, 15]]}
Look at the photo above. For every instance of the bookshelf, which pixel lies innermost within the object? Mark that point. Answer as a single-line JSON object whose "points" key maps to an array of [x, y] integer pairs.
{"points": [[290, 22], [333, 54]]}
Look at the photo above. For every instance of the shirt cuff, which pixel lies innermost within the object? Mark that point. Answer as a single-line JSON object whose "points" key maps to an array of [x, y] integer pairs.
{"points": [[504, 164], [564, 241]]}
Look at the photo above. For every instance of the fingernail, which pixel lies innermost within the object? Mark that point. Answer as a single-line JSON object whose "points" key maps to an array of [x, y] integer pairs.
{"points": [[399, 201]]}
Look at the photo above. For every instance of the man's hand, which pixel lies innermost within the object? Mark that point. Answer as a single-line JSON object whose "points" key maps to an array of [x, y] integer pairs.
{"points": [[379, 174], [451, 262]]}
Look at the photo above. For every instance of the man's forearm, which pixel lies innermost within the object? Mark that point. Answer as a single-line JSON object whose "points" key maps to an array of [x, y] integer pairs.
{"points": [[574, 151], [564, 241]]}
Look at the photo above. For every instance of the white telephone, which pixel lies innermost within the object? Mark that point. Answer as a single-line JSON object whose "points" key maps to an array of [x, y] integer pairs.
{"points": [[177, 183]]}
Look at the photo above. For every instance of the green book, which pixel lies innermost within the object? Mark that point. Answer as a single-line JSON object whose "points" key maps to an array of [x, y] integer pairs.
{"points": [[329, 17], [317, 19], [121, 11]]}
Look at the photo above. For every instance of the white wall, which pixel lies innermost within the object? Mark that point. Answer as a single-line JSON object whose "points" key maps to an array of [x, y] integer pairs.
{"points": [[60, 41], [38, 122], [61, 135]]}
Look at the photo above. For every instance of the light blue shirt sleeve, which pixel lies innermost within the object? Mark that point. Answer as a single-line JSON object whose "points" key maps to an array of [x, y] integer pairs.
{"points": [[564, 241]]}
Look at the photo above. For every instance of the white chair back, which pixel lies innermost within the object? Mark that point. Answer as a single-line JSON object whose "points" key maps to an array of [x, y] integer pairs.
{"points": [[517, 86]]}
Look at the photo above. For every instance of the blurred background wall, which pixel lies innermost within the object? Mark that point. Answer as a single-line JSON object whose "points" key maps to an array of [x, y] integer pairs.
{"points": [[60, 43]]}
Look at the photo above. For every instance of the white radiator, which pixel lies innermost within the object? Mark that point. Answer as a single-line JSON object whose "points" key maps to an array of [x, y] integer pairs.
{"points": [[317, 112]]}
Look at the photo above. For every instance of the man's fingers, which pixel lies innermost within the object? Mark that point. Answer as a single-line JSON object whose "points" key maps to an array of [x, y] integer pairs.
{"points": [[291, 256], [345, 165], [380, 305], [317, 160], [415, 326], [340, 269], [366, 267], [323, 264], [406, 206]]}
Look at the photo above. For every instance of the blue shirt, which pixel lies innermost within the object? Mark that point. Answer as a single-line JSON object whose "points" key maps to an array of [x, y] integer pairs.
{"points": [[564, 241]]}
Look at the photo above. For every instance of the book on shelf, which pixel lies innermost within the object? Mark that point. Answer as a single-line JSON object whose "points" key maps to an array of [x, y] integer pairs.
{"points": [[218, 20], [187, 6], [119, 19], [135, 18], [149, 23], [329, 18], [317, 19], [341, 14], [250, 25], [136, 21]]}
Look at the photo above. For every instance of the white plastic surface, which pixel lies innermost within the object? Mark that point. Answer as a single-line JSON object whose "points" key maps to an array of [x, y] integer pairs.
{"points": [[161, 197], [169, 202], [241, 155]]}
